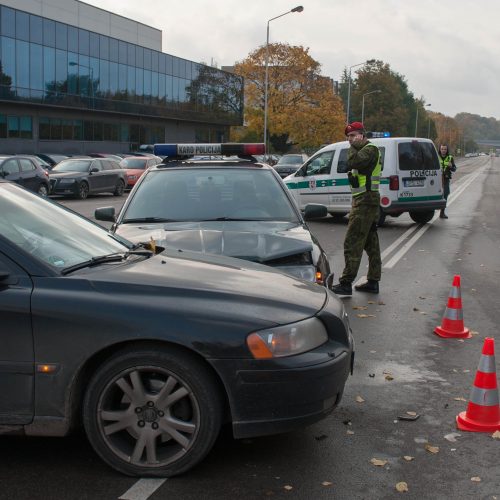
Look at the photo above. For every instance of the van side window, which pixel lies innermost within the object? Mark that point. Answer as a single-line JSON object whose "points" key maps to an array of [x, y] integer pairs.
{"points": [[417, 155], [382, 156], [320, 164], [342, 163]]}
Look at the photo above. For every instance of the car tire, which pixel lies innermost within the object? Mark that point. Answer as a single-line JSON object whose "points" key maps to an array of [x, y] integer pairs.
{"points": [[43, 190], [152, 412], [338, 217], [83, 191], [120, 188], [422, 217]]}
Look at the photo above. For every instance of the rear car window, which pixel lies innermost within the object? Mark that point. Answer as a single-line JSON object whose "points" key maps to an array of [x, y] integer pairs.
{"points": [[417, 155]]}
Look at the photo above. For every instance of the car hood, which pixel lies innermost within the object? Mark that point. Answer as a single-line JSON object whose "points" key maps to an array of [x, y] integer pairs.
{"points": [[231, 286], [63, 175], [251, 240]]}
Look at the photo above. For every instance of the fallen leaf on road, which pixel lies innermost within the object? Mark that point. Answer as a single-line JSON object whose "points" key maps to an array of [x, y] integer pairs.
{"points": [[350, 432], [366, 315], [371, 375], [460, 399], [432, 449], [288, 487], [359, 399], [476, 479], [496, 435], [423, 313], [466, 371], [378, 462], [326, 483], [460, 340], [402, 487], [423, 298], [371, 302], [373, 352], [381, 303], [320, 437], [360, 308], [389, 377], [347, 422], [416, 309], [408, 458], [473, 332], [412, 413]]}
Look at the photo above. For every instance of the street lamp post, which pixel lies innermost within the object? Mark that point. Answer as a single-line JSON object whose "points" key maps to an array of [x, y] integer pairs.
{"points": [[363, 103], [416, 118], [429, 127], [349, 91], [299, 8]]}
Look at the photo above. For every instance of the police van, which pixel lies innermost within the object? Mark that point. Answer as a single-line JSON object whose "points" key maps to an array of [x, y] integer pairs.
{"points": [[410, 181]]}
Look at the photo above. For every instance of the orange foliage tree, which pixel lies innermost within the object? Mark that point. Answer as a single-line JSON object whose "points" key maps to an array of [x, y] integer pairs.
{"points": [[302, 105]]}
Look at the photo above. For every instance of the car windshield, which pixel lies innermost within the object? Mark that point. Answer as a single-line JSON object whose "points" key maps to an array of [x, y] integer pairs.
{"points": [[138, 163], [290, 160], [51, 233], [72, 166], [197, 194]]}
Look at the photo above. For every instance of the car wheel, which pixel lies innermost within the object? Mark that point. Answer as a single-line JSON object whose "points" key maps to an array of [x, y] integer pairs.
{"points": [[120, 188], [43, 190], [152, 412], [422, 217], [338, 217], [83, 191]]}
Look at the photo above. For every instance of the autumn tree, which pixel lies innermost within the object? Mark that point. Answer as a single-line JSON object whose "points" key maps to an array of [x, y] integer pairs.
{"points": [[302, 106]]}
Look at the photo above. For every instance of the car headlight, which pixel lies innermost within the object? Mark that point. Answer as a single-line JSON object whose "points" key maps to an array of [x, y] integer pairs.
{"points": [[287, 340], [307, 273], [66, 181]]}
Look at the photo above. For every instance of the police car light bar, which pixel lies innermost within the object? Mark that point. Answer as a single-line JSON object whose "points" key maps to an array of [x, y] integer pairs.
{"points": [[226, 149]]}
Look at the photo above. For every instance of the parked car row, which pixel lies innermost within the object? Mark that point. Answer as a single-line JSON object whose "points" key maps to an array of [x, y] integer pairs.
{"points": [[76, 176]]}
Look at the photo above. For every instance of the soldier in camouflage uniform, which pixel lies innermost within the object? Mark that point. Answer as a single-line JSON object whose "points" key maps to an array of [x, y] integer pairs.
{"points": [[364, 177]]}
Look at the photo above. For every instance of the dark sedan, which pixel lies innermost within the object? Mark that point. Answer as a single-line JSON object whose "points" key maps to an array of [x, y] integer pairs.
{"points": [[25, 171], [290, 163], [153, 351], [238, 208], [80, 177]]}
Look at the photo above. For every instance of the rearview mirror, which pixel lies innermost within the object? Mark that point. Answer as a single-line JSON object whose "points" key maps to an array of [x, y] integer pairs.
{"points": [[315, 211], [105, 213], [93, 170]]}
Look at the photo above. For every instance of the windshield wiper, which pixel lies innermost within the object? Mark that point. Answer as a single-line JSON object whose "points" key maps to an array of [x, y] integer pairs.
{"points": [[103, 259], [147, 219]]}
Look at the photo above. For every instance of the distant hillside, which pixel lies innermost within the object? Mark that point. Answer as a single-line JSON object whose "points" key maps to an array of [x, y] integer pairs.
{"points": [[478, 127]]}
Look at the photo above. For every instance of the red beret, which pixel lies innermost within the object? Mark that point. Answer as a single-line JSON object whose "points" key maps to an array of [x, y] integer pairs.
{"points": [[354, 126]]}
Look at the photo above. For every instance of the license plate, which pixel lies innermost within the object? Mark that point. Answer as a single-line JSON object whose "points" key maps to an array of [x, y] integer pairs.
{"points": [[414, 182]]}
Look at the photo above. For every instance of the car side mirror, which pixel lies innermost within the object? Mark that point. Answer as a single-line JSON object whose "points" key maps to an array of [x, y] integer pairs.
{"points": [[93, 170], [6, 277], [315, 211], [105, 213]]}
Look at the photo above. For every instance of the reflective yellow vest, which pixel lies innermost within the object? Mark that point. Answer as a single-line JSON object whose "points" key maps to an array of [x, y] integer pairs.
{"points": [[446, 161], [374, 177]]}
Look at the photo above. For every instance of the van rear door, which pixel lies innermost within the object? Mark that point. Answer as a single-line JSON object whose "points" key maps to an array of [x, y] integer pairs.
{"points": [[419, 172]]}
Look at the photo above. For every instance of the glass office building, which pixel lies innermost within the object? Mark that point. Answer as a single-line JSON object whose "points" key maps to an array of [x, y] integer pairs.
{"points": [[72, 90]]}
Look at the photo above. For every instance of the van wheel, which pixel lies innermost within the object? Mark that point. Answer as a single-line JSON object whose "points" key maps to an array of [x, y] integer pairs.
{"points": [[338, 217], [381, 217], [422, 217]]}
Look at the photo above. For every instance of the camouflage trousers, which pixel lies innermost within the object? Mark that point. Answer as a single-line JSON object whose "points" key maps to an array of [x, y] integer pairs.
{"points": [[362, 235]]}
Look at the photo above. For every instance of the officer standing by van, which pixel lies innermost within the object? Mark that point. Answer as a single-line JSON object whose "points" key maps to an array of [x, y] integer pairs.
{"points": [[364, 169], [447, 167]]}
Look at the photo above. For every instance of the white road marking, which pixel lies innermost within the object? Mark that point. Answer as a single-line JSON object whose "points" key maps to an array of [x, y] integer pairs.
{"points": [[399, 255], [142, 490]]}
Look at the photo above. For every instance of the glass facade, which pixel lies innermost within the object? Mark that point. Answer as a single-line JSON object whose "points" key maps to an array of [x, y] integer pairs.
{"points": [[48, 62]]}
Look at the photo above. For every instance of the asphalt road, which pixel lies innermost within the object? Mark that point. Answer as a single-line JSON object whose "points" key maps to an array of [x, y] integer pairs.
{"points": [[401, 366]]}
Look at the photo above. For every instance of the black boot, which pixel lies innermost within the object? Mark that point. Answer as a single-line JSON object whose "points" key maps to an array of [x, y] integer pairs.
{"points": [[370, 286], [442, 214], [342, 289]]}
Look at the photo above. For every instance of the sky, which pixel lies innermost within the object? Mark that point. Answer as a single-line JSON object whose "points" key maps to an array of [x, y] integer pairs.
{"points": [[448, 50]]}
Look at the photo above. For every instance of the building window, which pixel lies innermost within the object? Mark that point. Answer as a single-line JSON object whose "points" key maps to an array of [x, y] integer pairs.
{"points": [[13, 126], [44, 128], [36, 29], [3, 127], [61, 36], [8, 22], [49, 33]]}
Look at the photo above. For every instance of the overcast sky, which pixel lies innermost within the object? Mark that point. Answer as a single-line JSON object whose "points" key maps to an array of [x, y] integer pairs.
{"points": [[448, 50]]}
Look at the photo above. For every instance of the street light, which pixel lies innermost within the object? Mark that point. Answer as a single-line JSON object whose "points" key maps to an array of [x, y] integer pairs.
{"points": [[363, 104], [416, 117], [429, 127], [349, 87], [299, 8], [73, 63]]}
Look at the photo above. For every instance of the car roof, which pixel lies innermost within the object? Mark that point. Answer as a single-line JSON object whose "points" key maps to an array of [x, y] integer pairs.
{"points": [[185, 164]]}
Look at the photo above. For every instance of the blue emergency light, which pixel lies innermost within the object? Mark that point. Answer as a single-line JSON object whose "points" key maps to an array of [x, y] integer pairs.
{"points": [[226, 149]]}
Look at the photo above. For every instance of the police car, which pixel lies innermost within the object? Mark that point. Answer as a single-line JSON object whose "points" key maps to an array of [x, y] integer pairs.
{"points": [[236, 207], [411, 179]]}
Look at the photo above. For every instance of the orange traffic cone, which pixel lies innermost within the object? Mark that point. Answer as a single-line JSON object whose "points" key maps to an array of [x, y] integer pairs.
{"points": [[452, 325], [483, 410]]}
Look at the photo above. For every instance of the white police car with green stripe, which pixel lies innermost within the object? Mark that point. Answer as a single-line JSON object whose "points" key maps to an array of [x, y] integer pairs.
{"points": [[411, 179]]}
